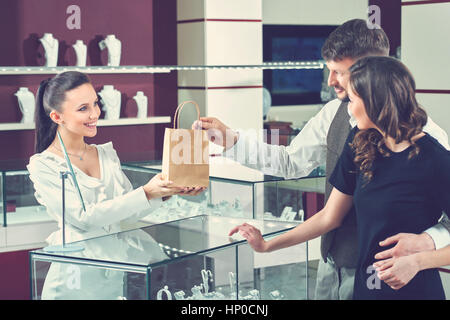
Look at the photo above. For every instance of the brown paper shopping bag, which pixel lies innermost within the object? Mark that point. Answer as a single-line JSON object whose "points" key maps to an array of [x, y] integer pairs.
{"points": [[186, 153]]}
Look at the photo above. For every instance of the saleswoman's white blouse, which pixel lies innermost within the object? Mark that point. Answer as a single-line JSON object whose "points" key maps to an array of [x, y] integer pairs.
{"points": [[108, 200]]}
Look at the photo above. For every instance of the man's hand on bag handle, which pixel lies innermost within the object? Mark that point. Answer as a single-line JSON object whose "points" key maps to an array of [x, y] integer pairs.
{"points": [[218, 132]]}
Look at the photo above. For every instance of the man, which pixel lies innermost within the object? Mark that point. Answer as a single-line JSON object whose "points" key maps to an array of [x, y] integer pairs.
{"points": [[321, 142]]}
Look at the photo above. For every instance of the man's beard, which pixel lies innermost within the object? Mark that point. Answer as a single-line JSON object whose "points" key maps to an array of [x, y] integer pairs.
{"points": [[343, 92], [345, 99]]}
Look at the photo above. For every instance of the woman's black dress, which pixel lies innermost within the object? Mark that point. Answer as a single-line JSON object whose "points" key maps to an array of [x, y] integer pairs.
{"points": [[404, 195]]}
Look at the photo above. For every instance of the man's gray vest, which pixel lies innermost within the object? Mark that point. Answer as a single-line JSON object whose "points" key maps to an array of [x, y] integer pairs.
{"points": [[340, 243]]}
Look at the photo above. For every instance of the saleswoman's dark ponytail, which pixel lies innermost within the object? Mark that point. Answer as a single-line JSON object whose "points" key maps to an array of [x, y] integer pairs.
{"points": [[51, 95], [45, 127]]}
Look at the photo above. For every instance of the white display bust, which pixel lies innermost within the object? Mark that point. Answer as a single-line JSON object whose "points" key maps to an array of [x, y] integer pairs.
{"points": [[50, 45], [114, 47], [26, 104], [142, 104], [111, 99], [81, 51]]}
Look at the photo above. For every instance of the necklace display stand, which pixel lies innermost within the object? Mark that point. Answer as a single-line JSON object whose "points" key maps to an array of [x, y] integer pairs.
{"points": [[26, 104], [142, 104], [111, 99], [50, 45], [81, 50], [66, 247], [114, 47]]}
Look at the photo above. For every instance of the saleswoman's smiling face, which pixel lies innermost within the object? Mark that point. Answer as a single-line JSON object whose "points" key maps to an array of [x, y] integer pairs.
{"points": [[80, 111]]}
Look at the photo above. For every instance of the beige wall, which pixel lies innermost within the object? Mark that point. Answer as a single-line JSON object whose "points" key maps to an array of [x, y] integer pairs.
{"points": [[306, 12], [425, 50], [230, 41], [327, 12]]}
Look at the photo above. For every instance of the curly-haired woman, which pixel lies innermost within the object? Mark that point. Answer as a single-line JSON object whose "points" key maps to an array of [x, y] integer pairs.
{"points": [[396, 176]]}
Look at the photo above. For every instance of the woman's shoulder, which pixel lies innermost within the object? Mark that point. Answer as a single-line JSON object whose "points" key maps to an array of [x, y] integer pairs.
{"points": [[40, 160], [108, 150], [44, 163], [436, 154], [431, 145], [439, 162], [107, 147]]}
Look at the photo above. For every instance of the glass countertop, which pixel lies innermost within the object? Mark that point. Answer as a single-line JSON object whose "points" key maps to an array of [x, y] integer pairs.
{"points": [[222, 169], [154, 245]]}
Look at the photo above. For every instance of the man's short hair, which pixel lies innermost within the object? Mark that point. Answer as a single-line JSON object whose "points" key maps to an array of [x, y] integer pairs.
{"points": [[354, 39]]}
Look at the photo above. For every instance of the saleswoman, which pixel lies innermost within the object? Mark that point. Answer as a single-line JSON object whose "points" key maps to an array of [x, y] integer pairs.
{"points": [[68, 104]]}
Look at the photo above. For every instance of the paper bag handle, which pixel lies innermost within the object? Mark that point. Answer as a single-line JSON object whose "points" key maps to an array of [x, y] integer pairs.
{"points": [[176, 117]]}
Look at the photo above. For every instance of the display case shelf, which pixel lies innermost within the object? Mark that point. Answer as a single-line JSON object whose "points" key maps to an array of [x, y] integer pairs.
{"points": [[225, 170], [27, 215], [18, 204], [236, 191], [17, 70], [38, 70], [100, 123], [133, 121]]}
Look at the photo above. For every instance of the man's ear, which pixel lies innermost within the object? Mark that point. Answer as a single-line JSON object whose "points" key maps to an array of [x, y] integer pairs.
{"points": [[56, 117]]}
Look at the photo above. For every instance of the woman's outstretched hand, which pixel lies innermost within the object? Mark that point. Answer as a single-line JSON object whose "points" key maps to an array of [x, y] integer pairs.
{"points": [[157, 187], [252, 235]]}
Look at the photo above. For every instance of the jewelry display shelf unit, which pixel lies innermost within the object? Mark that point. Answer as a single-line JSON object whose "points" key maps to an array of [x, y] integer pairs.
{"points": [[186, 259], [39, 70], [100, 123], [13, 70]]}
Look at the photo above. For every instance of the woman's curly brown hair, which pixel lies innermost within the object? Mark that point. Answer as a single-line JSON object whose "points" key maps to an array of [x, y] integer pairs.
{"points": [[387, 89]]}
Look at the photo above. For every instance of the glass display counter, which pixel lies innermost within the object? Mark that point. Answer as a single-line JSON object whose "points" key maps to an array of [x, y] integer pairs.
{"points": [[237, 191], [192, 258], [18, 204]]}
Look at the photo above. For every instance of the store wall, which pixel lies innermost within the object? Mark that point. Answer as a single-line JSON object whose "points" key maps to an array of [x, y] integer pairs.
{"points": [[425, 50], [224, 33], [148, 33], [15, 275], [390, 21], [305, 12], [318, 12], [137, 23]]}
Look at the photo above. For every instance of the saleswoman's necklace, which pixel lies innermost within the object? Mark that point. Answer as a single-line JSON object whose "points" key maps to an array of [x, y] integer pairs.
{"points": [[71, 154]]}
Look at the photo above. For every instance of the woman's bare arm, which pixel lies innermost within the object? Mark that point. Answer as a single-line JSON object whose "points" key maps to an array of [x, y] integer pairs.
{"points": [[327, 219]]}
